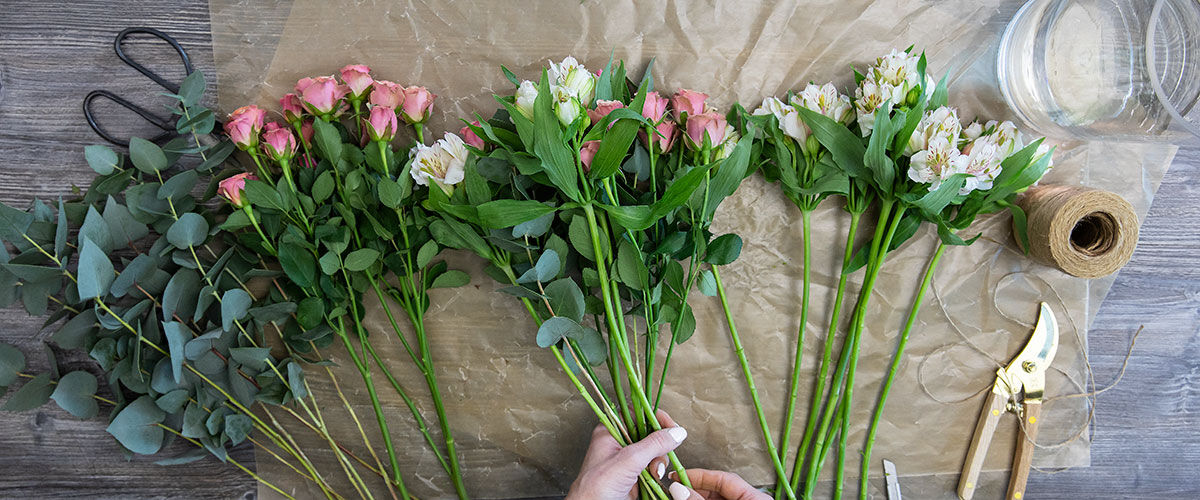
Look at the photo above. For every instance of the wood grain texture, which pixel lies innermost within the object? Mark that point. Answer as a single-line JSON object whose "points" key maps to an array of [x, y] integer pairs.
{"points": [[1147, 434]]}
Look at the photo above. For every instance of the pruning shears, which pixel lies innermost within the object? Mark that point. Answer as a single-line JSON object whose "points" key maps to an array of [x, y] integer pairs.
{"points": [[1025, 374]]}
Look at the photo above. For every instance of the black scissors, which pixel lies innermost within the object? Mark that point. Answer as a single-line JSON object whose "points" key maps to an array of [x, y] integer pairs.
{"points": [[167, 125]]}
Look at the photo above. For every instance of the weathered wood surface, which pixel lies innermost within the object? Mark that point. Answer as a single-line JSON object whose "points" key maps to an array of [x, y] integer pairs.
{"points": [[1147, 441]]}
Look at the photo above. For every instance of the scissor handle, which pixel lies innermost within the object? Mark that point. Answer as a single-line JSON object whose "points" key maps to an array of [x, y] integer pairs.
{"points": [[183, 55], [1023, 459], [993, 407], [168, 128]]}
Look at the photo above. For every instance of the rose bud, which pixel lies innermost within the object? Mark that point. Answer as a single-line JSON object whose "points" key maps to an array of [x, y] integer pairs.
{"points": [[417, 105], [321, 94], [357, 79], [381, 125], [655, 107], [705, 128], [278, 142], [244, 125], [292, 107], [688, 103], [603, 108], [471, 138], [386, 94], [232, 187], [587, 153]]}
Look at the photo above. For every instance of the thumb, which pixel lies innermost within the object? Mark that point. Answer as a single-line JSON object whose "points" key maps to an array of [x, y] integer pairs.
{"points": [[681, 492], [638, 455]]}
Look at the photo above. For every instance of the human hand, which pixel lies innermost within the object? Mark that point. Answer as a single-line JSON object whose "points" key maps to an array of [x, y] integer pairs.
{"points": [[610, 472], [715, 485]]}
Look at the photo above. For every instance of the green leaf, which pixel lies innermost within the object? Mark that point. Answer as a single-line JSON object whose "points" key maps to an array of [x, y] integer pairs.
{"points": [[631, 217], [12, 361], [189, 231], [556, 329], [534, 228], [101, 158], [566, 299], [390, 193], [261, 194], [451, 279], [558, 160], [323, 187], [500, 214], [95, 228], [361, 259], [427, 252], [74, 394], [60, 230], [933, 202], [299, 265], [179, 297], [546, 268], [95, 272], [581, 238], [614, 146], [296, 380], [73, 334], [631, 266], [723, 250], [193, 422], [256, 358], [14, 223], [125, 229], [234, 305], [147, 156], [36, 392], [328, 140], [274, 313], [310, 312], [141, 267], [237, 427], [177, 336], [846, 148], [707, 283], [191, 89], [178, 186], [883, 170], [173, 401], [136, 427], [522, 292], [454, 234]]}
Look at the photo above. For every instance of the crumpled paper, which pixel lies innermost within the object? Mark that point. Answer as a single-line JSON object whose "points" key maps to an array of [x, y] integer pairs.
{"points": [[520, 428]]}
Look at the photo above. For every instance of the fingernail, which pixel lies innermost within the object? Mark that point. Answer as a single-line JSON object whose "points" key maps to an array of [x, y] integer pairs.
{"points": [[673, 476], [661, 470], [677, 433], [679, 492]]}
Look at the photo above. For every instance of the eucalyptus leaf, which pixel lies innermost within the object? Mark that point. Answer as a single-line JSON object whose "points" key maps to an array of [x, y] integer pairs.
{"points": [[95, 228], [237, 427], [189, 231], [179, 298], [177, 337], [147, 156], [36, 392], [74, 393], [172, 401], [136, 427], [234, 305], [12, 361], [451, 279], [566, 299], [13, 223], [101, 158], [125, 230], [74, 333], [95, 273], [558, 328]]}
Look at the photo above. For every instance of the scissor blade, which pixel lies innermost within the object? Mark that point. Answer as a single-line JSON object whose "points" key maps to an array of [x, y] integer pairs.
{"points": [[1029, 367], [892, 479]]}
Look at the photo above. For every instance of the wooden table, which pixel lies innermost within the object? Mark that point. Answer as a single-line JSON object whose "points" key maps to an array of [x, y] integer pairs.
{"points": [[1147, 444]]}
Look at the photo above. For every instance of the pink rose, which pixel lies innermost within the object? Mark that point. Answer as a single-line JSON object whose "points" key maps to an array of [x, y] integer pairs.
{"points": [[471, 138], [293, 109], [278, 142], [708, 126], [603, 108], [417, 105], [357, 79], [655, 107], [381, 125], [232, 187], [664, 140], [321, 94], [386, 94], [688, 103], [587, 153], [243, 126]]}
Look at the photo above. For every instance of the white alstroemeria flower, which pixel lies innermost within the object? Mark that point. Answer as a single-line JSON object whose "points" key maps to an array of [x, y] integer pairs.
{"points": [[444, 162], [935, 164], [566, 105], [826, 100], [789, 119], [972, 132], [941, 122], [582, 84], [526, 94], [731, 139], [867, 98], [1007, 137], [899, 71], [982, 164], [559, 71]]}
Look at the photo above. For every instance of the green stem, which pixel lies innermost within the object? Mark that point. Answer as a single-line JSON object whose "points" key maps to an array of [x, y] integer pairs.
{"points": [[412, 407], [610, 314], [254, 222], [440, 408], [839, 376], [286, 167], [758, 410], [827, 355], [891, 376], [781, 482], [860, 318]]}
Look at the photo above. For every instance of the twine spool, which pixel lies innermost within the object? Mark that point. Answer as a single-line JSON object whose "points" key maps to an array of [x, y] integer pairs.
{"points": [[1081, 231]]}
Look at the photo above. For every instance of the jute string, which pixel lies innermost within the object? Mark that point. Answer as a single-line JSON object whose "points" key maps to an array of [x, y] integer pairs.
{"points": [[1083, 232]]}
